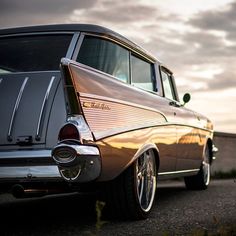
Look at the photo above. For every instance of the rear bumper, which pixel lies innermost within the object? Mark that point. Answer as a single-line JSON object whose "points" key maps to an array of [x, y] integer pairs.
{"points": [[29, 173], [28, 165], [76, 162], [39, 166]]}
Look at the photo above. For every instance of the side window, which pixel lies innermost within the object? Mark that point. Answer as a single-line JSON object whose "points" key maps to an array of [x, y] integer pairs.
{"points": [[105, 56], [168, 85], [142, 74]]}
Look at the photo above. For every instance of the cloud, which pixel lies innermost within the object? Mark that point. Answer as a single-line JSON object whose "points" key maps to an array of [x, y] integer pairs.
{"points": [[127, 17], [25, 12], [220, 20], [117, 13], [55, 7], [225, 80], [200, 49], [200, 46]]}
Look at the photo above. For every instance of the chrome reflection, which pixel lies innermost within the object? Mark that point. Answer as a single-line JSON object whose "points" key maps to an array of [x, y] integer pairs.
{"points": [[68, 154], [82, 127], [146, 179], [64, 154], [206, 166], [29, 172], [71, 173]]}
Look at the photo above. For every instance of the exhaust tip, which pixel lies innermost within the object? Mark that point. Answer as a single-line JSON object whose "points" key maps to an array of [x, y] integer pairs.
{"points": [[18, 191]]}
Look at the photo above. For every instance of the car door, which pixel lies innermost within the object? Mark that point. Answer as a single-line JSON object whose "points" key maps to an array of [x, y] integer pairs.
{"points": [[143, 76], [187, 135]]}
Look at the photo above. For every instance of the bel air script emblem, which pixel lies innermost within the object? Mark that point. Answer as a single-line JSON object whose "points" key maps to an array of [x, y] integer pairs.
{"points": [[96, 105]]}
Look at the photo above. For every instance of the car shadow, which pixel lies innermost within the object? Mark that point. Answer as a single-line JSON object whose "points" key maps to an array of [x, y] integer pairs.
{"points": [[45, 215]]}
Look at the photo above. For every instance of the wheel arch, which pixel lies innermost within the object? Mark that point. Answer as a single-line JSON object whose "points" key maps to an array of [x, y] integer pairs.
{"points": [[145, 148], [209, 143]]}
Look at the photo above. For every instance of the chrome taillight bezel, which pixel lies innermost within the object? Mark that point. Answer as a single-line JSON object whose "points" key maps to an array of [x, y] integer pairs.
{"points": [[84, 134], [64, 154]]}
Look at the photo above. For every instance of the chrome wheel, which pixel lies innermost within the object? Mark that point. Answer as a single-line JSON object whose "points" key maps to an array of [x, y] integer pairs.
{"points": [[131, 194], [206, 166], [202, 179], [146, 180]]}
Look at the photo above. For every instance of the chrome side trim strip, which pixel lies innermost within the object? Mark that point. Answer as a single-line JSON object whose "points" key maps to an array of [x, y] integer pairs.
{"points": [[25, 154], [38, 132], [31, 172], [178, 172], [102, 98], [9, 138]]}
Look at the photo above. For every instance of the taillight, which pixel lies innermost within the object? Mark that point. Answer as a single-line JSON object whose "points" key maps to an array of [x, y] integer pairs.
{"points": [[69, 131]]}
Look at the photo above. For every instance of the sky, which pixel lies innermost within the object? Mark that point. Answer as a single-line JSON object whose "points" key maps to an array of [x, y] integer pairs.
{"points": [[196, 39]]}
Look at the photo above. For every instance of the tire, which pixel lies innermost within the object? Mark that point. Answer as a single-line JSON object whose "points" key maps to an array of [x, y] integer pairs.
{"points": [[131, 195], [202, 179]]}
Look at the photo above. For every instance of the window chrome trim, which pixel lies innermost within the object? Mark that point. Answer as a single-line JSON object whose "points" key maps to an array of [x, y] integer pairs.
{"points": [[137, 51], [77, 47], [72, 45]]}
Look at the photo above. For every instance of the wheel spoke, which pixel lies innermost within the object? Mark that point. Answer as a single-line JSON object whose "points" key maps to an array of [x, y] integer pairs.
{"points": [[141, 189], [146, 180]]}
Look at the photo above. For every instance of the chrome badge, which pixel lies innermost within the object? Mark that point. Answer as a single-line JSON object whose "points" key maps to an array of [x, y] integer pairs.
{"points": [[96, 105]]}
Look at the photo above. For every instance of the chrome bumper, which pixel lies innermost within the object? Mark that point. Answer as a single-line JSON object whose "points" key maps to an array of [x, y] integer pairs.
{"points": [[29, 173], [38, 165], [77, 163], [11, 167]]}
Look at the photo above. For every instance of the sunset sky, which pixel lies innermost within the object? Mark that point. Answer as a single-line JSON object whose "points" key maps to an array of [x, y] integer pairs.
{"points": [[195, 38]]}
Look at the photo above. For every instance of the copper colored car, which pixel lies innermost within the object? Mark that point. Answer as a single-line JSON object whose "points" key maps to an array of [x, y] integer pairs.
{"points": [[85, 109]]}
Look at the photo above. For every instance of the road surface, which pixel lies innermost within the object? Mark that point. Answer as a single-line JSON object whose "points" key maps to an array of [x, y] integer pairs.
{"points": [[176, 211]]}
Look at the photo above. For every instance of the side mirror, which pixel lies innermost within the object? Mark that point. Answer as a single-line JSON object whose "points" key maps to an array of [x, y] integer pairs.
{"points": [[186, 98]]}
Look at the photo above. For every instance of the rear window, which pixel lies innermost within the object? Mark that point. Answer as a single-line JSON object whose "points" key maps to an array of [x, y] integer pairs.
{"points": [[32, 53]]}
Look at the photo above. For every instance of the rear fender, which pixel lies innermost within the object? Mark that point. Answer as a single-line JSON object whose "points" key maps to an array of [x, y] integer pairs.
{"points": [[145, 148]]}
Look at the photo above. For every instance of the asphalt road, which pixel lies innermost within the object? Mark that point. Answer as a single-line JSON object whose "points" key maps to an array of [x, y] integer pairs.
{"points": [[176, 212]]}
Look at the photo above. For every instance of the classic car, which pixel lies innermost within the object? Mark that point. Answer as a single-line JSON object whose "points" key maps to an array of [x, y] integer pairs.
{"points": [[84, 109]]}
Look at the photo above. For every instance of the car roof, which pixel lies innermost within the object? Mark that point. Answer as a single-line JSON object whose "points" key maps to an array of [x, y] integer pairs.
{"points": [[88, 28], [58, 27]]}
